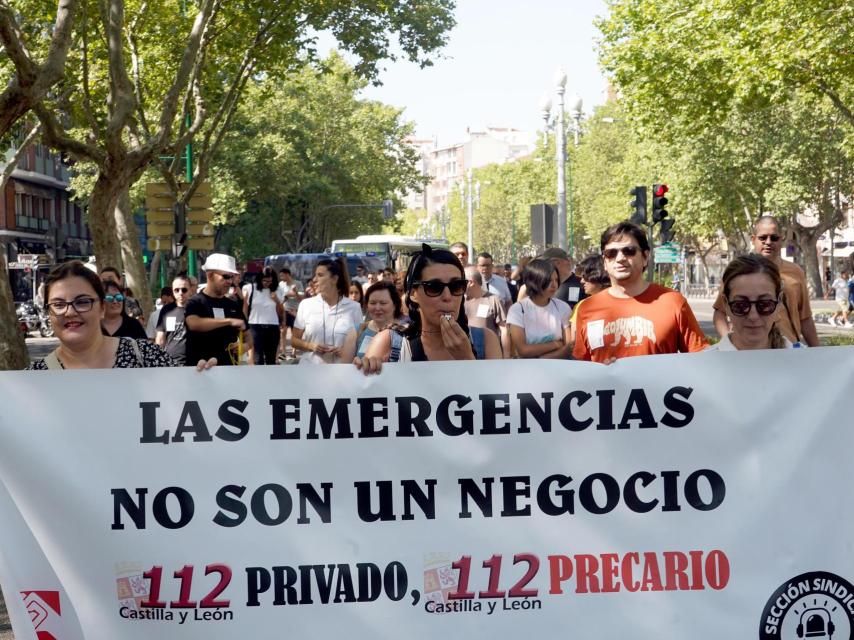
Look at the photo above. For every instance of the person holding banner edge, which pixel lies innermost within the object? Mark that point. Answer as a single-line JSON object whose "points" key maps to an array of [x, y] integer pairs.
{"points": [[74, 298], [435, 283]]}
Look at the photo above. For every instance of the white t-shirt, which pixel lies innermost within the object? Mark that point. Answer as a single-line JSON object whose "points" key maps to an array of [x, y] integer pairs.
{"points": [[840, 286], [326, 325], [263, 309], [541, 324], [284, 289]]}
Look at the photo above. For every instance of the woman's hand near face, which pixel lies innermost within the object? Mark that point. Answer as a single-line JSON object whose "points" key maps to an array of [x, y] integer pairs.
{"points": [[455, 340]]}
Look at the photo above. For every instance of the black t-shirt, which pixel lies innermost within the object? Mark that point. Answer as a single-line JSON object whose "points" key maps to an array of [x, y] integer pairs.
{"points": [[129, 328], [171, 322], [566, 287], [203, 345]]}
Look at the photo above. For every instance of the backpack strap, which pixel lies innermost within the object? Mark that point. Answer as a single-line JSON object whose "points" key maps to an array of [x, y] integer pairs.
{"points": [[478, 342], [396, 345], [52, 361]]}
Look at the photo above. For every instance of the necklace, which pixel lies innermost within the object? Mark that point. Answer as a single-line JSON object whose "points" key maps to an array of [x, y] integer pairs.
{"points": [[334, 320]]}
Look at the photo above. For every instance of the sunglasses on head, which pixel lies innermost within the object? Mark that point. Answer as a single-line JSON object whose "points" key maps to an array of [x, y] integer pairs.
{"points": [[630, 252], [773, 237], [434, 288], [180, 289], [742, 307], [114, 297]]}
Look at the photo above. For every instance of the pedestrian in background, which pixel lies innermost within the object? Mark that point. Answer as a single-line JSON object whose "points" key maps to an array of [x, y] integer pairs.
{"points": [[385, 309], [484, 310], [594, 278], [839, 286], [214, 321], [264, 312], [116, 322], [171, 329]]}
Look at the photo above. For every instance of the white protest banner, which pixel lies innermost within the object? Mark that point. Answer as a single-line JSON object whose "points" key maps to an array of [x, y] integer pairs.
{"points": [[700, 496]]}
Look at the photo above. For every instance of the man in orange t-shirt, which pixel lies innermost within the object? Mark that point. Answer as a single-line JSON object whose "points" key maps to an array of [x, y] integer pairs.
{"points": [[633, 317]]}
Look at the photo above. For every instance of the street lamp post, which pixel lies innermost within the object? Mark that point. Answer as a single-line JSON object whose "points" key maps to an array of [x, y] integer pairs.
{"points": [[470, 195], [576, 115], [560, 157]]}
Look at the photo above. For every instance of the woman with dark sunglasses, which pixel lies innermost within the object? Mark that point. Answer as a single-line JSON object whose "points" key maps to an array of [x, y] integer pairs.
{"points": [[117, 323], [753, 290], [435, 284]]}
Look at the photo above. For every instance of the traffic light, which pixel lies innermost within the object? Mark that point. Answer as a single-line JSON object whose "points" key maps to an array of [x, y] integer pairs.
{"points": [[659, 213], [638, 205], [667, 230]]}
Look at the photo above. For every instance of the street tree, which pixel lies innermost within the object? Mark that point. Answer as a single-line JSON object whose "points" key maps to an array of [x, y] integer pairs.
{"points": [[300, 170], [151, 77], [33, 63]]}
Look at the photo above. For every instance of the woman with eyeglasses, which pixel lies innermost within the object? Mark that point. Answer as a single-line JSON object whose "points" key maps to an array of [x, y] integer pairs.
{"points": [[76, 301], [326, 324], [539, 323], [435, 283], [117, 323], [753, 290]]}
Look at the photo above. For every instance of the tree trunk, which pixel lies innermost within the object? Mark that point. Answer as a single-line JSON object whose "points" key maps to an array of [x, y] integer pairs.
{"points": [[102, 223], [13, 349], [154, 274], [806, 239], [135, 275]]}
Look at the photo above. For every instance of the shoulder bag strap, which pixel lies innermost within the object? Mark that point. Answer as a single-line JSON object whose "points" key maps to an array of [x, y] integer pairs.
{"points": [[52, 361]]}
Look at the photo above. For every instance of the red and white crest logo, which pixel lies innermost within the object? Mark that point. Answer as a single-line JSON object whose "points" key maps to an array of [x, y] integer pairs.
{"points": [[44, 610]]}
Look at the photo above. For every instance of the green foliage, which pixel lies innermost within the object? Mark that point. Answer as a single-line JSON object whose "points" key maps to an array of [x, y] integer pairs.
{"points": [[299, 149]]}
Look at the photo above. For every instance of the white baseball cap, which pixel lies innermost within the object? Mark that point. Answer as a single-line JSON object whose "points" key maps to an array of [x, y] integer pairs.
{"points": [[220, 262]]}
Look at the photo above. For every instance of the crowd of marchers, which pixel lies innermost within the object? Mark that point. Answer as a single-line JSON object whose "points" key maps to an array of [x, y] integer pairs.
{"points": [[441, 308]]}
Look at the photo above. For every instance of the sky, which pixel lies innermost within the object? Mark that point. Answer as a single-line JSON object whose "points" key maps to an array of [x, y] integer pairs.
{"points": [[500, 61]]}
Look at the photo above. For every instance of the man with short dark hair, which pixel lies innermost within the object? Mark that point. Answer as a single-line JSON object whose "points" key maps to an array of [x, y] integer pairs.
{"points": [[491, 283], [633, 317], [214, 321], [461, 250], [794, 317]]}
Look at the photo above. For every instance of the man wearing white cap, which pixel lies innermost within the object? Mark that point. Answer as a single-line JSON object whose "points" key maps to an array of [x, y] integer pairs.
{"points": [[214, 321]]}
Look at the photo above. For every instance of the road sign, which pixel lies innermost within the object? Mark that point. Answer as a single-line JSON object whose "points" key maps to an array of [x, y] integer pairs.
{"points": [[160, 229], [200, 244], [159, 244], [199, 215], [200, 201], [200, 229], [668, 253], [160, 217]]}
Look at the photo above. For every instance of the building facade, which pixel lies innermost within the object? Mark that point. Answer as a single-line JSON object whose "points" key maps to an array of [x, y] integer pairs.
{"points": [[38, 215]]}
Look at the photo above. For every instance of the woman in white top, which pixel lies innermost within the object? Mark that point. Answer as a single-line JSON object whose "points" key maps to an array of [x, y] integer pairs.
{"points": [[326, 324], [263, 310], [539, 324], [753, 291]]}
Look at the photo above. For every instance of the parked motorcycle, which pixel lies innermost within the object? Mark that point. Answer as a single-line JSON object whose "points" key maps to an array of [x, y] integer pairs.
{"points": [[31, 318]]}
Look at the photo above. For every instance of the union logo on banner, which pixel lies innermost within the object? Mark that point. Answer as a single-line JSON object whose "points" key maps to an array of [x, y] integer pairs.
{"points": [[131, 586], [44, 609], [439, 577]]}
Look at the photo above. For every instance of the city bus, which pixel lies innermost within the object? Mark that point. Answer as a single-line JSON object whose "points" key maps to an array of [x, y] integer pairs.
{"points": [[302, 265], [393, 251]]}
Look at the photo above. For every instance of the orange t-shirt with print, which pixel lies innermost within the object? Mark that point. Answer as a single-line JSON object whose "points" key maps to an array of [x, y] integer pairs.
{"points": [[659, 320]]}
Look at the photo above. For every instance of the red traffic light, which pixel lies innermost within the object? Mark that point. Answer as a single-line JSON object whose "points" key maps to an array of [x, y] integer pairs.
{"points": [[660, 190]]}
